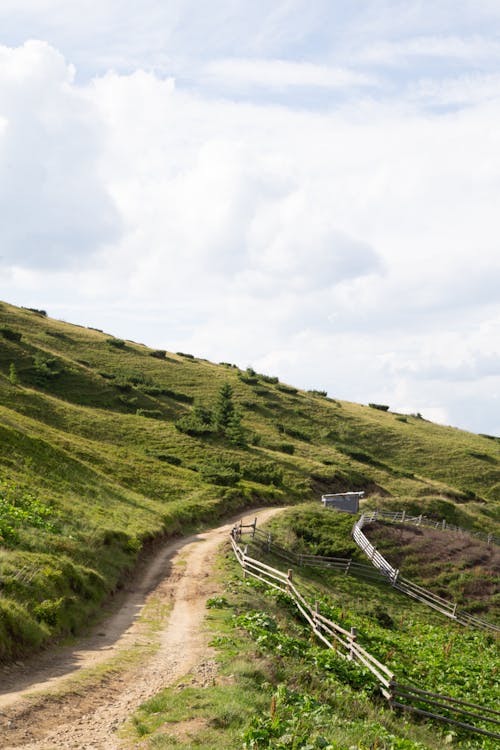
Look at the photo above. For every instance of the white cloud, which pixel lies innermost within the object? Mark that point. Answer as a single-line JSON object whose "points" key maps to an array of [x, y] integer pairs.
{"points": [[462, 91], [353, 249], [238, 72], [53, 206], [470, 49]]}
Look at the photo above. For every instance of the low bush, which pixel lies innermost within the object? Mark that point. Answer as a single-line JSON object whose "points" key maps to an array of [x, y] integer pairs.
{"points": [[182, 397], [224, 476], [41, 313], [10, 334], [286, 389], [151, 413], [269, 378], [192, 426], [158, 353], [282, 447], [116, 343], [380, 407], [263, 472]]}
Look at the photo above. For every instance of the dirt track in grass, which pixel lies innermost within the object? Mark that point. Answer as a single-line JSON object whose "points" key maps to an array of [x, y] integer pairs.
{"points": [[156, 636]]}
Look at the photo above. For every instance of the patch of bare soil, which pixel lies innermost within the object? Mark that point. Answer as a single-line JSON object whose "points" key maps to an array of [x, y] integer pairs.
{"points": [[434, 557], [80, 714]]}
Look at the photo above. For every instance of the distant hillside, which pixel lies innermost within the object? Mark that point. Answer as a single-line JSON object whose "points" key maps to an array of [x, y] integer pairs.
{"points": [[106, 444]]}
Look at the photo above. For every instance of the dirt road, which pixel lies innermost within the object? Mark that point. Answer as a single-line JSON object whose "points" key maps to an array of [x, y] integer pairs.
{"points": [[78, 698]]}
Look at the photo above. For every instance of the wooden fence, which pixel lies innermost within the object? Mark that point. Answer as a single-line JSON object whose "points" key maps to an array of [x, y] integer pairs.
{"points": [[380, 570], [442, 708], [439, 603], [431, 523]]}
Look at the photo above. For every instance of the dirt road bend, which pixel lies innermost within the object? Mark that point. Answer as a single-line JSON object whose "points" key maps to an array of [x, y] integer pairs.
{"points": [[77, 698]]}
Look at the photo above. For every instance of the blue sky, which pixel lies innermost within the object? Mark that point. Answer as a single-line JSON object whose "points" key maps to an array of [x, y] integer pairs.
{"points": [[310, 188]]}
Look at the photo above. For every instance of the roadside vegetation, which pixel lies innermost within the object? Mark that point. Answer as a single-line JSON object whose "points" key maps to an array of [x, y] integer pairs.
{"points": [[277, 687], [107, 445]]}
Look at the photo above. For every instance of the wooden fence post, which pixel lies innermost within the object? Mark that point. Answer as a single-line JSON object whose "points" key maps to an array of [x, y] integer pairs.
{"points": [[244, 561], [289, 576], [269, 542], [353, 638], [254, 527]]}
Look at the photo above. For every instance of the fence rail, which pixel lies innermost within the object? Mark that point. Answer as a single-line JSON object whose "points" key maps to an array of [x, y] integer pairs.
{"points": [[443, 606], [383, 572], [421, 520], [344, 643]]}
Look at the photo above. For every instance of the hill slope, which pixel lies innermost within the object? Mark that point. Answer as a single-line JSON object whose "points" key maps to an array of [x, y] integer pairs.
{"points": [[106, 444]]}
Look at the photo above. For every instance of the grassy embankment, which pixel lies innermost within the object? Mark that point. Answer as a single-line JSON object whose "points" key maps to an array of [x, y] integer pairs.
{"points": [[278, 688], [93, 465]]}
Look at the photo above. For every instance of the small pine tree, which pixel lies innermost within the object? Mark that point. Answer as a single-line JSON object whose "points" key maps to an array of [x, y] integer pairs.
{"points": [[224, 407], [234, 430], [13, 377]]}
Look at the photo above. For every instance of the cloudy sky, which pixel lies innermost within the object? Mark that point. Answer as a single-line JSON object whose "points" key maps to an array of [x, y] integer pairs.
{"points": [[310, 187]]}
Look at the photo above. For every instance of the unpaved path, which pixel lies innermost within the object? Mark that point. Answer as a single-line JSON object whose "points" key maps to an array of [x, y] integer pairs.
{"points": [[56, 703]]}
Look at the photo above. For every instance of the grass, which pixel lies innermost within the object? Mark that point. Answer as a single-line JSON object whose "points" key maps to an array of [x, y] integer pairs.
{"points": [[92, 467], [275, 687]]}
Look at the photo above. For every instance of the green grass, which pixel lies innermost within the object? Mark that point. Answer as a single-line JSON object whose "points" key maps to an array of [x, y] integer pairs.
{"points": [[276, 687], [88, 432]]}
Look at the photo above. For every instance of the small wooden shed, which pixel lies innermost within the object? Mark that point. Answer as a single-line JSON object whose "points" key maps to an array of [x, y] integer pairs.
{"points": [[346, 501]]}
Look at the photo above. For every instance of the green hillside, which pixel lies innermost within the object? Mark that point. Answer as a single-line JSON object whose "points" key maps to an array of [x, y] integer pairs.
{"points": [[107, 444]]}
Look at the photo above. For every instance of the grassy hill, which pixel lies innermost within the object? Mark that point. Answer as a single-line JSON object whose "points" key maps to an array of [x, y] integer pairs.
{"points": [[107, 444]]}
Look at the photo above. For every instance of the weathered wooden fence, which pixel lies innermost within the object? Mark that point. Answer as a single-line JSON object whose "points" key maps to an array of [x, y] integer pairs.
{"points": [[440, 707], [431, 523], [439, 603], [380, 570]]}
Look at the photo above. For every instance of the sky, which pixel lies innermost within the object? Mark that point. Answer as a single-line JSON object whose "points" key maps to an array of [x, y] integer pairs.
{"points": [[307, 187]]}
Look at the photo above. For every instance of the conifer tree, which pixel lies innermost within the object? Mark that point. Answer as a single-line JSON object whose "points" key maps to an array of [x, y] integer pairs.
{"points": [[224, 407]]}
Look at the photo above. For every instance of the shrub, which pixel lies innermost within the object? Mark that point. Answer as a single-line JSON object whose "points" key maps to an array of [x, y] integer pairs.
{"points": [[285, 448], [151, 390], [158, 353], [10, 335], [42, 313], [269, 378], [123, 385], [286, 389], [13, 377], [151, 413], [380, 407], [249, 380], [183, 354], [183, 397], [116, 343], [45, 368], [189, 425], [19, 509], [169, 459], [314, 392], [225, 476], [297, 434], [263, 472]]}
